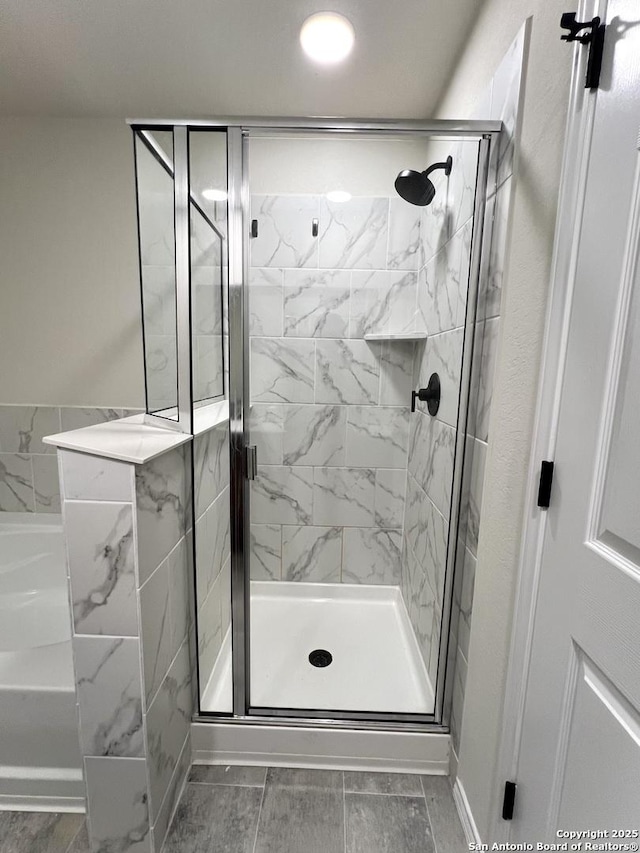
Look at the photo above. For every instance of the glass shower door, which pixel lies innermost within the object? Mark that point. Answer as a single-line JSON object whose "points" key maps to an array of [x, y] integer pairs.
{"points": [[353, 299]]}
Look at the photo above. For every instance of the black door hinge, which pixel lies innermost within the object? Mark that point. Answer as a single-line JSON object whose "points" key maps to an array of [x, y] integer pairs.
{"points": [[509, 801], [544, 487], [591, 33], [254, 228]]}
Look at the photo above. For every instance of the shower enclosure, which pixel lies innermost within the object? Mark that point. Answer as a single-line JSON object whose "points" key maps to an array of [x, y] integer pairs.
{"points": [[296, 309]]}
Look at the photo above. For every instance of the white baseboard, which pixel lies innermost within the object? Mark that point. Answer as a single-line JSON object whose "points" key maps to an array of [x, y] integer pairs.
{"points": [[345, 749], [466, 816], [41, 789]]}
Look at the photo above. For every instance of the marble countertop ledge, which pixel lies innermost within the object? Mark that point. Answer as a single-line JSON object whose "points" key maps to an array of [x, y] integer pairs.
{"points": [[127, 440]]}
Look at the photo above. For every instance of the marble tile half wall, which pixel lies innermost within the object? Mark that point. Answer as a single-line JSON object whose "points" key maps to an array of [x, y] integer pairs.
{"points": [[128, 553], [28, 468]]}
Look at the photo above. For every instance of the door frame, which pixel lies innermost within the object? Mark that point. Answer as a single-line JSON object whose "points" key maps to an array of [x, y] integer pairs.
{"points": [[239, 217], [573, 182]]}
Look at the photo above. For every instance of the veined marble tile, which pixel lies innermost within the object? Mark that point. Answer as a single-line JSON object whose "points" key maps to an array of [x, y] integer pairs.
{"points": [[212, 543], [266, 302], [266, 552], [282, 495], [443, 355], [225, 596], [211, 470], [436, 628], [442, 286], [155, 629], [314, 435], [159, 299], [93, 478], [101, 567], [382, 301], [156, 213], [207, 308], [476, 458], [16, 483], [346, 372], [462, 183], [497, 210], [396, 372], [284, 231], [489, 333], [505, 103], [267, 427], [210, 631], [457, 701], [162, 819], [72, 417], [206, 245], [463, 597], [377, 436], [421, 603], [436, 226], [427, 532], [344, 497], [22, 428], [46, 483], [161, 502], [208, 367], [109, 693], [118, 802], [354, 234], [311, 554], [372, 556], [404, 235], [389, 497], [282, 370], [431, 457], [168, 722], [161, 371], [316, 303], [179, 568]]}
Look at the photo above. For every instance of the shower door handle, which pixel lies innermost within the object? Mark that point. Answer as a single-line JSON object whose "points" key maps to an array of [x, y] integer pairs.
{"points": [[251, 452]]}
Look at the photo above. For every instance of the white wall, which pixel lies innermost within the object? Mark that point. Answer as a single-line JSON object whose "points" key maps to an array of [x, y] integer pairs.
{"points": [[69, 283], [523, 310]]}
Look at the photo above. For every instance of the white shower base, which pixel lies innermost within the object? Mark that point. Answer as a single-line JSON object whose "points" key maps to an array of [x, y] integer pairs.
{"points": [[376, 664]]}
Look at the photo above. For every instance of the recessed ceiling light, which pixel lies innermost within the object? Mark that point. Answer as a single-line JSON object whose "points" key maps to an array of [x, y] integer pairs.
{"points": [[339, 196], [327, 37], [214, 195]]}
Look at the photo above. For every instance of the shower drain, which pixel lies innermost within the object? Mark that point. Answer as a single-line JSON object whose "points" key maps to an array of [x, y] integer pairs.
{"points": [[320, 657]]}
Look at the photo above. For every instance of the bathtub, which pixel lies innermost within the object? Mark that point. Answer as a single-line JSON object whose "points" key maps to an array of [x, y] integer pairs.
{"points": [[40, 763]]}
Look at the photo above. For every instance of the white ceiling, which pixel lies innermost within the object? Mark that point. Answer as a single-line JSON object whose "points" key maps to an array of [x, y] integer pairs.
{"points": [[199, 58]]}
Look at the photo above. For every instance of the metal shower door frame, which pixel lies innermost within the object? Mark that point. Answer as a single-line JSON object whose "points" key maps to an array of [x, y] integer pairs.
{"points": [[238, 136]]}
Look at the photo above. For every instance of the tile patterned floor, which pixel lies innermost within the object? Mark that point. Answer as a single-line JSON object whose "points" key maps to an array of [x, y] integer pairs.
{"points": [[279, 810]]}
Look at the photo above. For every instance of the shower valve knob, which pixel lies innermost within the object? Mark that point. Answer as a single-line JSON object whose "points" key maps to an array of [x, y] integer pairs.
{"points": [[429, 395]]}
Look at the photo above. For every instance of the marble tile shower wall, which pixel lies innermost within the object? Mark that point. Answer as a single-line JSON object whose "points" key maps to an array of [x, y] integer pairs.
{"points": [[330, 410], [128, 563], [159, 305], [213, 556], [28, 468], [500, 101], [442, 299]]}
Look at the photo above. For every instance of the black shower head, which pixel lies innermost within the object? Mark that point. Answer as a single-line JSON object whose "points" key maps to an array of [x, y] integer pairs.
{"points": [[416, 188]]}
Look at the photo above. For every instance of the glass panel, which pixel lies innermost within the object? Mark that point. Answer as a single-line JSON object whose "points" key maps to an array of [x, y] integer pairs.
{"points": [[208, 185], [154, 183], [356, 298], [208, 181]]}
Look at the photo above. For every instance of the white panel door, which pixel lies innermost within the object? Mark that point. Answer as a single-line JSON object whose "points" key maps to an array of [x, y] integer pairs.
{"points": [[579, 765]]}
